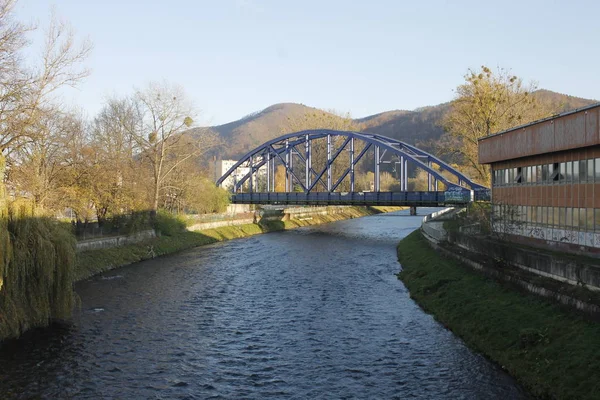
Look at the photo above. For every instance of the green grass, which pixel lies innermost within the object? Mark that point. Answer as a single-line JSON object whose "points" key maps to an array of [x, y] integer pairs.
{"points": [[554, 353]]}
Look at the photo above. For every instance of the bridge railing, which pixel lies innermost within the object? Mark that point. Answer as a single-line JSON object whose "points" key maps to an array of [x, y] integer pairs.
{"points": [[349, 198]]}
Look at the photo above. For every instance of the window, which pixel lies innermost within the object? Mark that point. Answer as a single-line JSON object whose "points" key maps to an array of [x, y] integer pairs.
{"points": [[550, 216], [561, 216], [545, 175], [555, 216], [582, 219], [597, 219], [569, 175], [562, 171], [575, 171], [511, 175], [590, 170], [528, 214], [518, 175], [521, 213], [583, 171], [528, 179], [545, 215], [569, 218], [590, 219], [538, 173], [597, 170], [575, 222]]}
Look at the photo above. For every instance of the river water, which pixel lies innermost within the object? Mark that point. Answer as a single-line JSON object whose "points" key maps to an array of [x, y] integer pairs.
{"points": [[312, 313]]}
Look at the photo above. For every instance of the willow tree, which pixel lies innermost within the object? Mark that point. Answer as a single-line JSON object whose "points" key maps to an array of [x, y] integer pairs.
{"points": [[488, 102], [37, 254]]}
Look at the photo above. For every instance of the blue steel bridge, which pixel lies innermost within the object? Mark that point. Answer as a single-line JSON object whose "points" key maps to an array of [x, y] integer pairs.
{"points": [[319, 168]]}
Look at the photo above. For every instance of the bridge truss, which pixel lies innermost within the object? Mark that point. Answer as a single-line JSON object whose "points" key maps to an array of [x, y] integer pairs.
{"points": [[339, 153]]}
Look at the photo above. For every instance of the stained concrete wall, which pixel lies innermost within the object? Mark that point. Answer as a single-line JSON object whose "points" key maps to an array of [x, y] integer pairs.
{"points": [[564, 269], [217, 224], [542, 263], [483, 255], [114, 241]]}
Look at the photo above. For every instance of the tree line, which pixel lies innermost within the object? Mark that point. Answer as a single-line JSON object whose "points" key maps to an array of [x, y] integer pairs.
{"points": [[137, 153]]}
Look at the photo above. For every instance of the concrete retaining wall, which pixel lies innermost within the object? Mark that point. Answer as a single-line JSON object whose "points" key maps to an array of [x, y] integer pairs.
{"points": [[541, 263], [485, 255], [488, 256], [545, 264], [274, 214], [435, 230], [437, 214], [217, 224], [561, 298], [114, 241], [298, 212]]}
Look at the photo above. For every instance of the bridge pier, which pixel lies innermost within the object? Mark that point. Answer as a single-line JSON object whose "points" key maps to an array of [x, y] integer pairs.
{"points": [[413, 210]]}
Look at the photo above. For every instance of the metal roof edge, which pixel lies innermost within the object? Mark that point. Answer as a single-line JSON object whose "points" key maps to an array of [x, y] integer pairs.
{"points": [[539, 121]]}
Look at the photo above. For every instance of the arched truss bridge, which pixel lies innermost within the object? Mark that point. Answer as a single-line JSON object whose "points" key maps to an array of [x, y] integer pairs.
{"points": [[319, 167]]}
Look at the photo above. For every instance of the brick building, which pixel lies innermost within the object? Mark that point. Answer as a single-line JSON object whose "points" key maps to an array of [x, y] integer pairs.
{"points": [[546, 180]]}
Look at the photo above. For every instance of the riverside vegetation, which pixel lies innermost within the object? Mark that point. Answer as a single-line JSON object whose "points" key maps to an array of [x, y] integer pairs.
{"points": [[552, 352], [173, 237]]}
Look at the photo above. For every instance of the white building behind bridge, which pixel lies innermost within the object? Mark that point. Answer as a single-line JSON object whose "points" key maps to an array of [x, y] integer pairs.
{"points": [[222, 166]]}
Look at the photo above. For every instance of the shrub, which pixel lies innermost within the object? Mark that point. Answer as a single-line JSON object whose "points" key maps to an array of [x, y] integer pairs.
{"points": [[168, 224]]}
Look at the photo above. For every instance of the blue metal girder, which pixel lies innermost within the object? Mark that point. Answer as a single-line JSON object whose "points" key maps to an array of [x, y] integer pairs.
{"points": [[418, 199], [396, 147]]}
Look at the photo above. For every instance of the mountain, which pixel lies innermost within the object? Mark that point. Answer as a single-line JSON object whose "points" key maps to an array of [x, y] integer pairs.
{"points": [[381, 118], [561, 102], [420, 127], [245, 134]]}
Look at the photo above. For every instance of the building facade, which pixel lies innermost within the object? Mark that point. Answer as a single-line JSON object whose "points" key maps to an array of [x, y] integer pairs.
{"points": [[222, 166], [546, 180]]}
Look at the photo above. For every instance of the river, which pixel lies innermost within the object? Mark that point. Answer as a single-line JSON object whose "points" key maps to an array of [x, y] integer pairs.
{"points": [[311, 313]]}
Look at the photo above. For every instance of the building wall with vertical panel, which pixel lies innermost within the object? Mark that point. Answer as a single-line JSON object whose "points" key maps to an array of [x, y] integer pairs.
{"points": [[546, 180]]}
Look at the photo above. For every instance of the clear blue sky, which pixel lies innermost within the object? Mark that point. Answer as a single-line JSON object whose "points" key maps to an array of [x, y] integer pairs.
{"points": [[234, 57]]}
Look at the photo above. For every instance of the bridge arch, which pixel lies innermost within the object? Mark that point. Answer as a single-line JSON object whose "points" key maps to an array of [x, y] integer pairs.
{"points": [[287, 149]]}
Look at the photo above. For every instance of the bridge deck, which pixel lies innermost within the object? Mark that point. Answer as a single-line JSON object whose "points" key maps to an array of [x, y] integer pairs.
{"points": [[421, 199]]}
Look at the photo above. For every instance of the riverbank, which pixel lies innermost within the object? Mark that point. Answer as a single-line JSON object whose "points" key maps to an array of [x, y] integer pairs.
{"points": [[552, 352], [92, 262]]}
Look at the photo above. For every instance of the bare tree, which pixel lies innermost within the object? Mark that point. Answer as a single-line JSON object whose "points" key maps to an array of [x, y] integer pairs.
{"points": [[161, 132], [28, 93], [39, 166]]}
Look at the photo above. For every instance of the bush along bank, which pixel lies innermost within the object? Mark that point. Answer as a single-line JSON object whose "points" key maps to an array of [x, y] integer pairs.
{"points": [[173, 238], [552, 352]]}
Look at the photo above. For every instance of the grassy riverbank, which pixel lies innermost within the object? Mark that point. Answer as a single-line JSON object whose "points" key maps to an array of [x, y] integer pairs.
{"points": [[554, 353], [93, 262]]}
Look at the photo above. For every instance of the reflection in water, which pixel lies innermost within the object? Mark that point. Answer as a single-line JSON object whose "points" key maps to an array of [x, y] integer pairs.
{"points": [[311, 313]]}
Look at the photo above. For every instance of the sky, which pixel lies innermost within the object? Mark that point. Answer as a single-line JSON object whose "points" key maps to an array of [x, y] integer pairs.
{"points": [[235, 57]]}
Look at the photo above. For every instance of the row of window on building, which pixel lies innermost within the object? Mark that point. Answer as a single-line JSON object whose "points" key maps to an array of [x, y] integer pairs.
{"points": [[582, 219], [582, 171]]}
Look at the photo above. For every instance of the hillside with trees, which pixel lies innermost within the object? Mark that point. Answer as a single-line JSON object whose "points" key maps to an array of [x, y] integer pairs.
{"points": [[421, 127]]}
